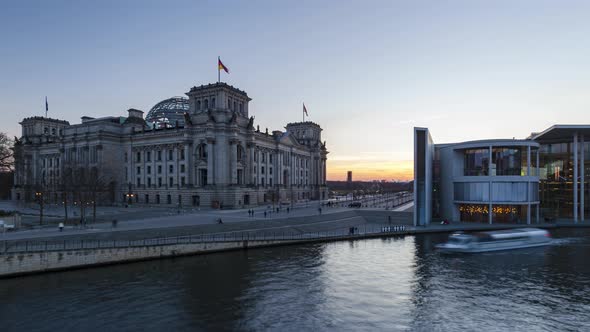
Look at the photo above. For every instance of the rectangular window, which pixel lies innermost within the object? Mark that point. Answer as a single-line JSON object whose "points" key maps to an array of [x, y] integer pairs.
{"points": [[182, 181], [476, 162], [138, 159], [182, 154], [203, 176], [169, 199], [170, 154], [159, 155], [171, 181], [159, 182], [149, 169], [138, 170], [270, 170], [508, 160], [262, 170], [182, 168], [157, 198], [171, 169], [147, 199], [159, 169], [148, 156], [149, 182], [138, 182], [270, 157]]}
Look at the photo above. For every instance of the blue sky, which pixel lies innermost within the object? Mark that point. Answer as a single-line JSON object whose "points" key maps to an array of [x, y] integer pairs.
{"points": [[368, 71]]}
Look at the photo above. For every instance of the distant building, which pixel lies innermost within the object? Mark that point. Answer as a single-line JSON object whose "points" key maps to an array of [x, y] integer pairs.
{"points": [[525, 181], [203, 150], [349, 177]]}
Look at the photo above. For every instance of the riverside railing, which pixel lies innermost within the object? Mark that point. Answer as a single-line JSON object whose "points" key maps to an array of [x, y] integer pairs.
{"points": [[11, 246]]}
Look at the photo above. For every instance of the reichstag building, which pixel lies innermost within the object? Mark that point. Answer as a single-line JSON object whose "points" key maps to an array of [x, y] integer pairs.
{"points": [[202, 151]]}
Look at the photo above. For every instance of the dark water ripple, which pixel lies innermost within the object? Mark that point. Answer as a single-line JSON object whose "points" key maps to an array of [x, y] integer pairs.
{"points": [[396, 284]]}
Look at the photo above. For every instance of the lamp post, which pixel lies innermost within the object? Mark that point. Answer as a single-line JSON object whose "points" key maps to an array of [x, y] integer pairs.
{"points": [[129, 195], [39, 198]]}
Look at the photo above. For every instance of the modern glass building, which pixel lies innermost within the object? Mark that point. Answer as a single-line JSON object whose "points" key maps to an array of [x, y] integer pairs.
{"points": [[540, 178]]}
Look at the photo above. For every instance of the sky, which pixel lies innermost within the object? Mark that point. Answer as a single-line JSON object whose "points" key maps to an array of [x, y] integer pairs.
{"points": [[368, 71]]}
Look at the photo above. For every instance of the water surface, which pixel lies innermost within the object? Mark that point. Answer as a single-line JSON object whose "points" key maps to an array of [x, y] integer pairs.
{"points": [[378, 284]]}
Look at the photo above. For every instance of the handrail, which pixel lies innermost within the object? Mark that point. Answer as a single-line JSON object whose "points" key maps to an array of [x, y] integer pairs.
{"points": [[10, 247]]}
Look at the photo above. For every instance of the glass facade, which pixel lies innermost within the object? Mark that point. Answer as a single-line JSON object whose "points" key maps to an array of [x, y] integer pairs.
{"points": [[556, 180], [510, 214], [474, 212], [509, 161], [476, 162]]}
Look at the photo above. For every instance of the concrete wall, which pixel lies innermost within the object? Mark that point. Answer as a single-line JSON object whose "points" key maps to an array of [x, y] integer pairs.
{"points": [[34, 262]]}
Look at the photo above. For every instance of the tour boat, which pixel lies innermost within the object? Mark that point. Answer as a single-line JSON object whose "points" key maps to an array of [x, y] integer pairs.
{"points": [[496, 240]]}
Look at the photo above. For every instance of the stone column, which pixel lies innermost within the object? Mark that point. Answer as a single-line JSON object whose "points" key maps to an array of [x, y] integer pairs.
{"points": [[260, 164], [233, 157], [188, 162], [249, 172], [210, 162]]}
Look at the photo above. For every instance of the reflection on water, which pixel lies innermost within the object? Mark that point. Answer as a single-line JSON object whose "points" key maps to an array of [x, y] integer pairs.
{"points": [[378, 284]]}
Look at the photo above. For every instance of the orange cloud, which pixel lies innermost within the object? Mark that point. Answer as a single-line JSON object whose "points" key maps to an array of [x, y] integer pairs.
{"points": [[366, 170]]}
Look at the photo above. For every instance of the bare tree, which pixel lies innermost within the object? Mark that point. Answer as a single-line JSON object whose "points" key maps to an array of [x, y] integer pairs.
{"points": [[6, 153]]}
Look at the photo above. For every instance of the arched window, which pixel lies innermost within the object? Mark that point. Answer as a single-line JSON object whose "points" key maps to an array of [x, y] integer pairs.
{"points": [[52, 131], [212, 102], [235, 105], [206, 104], [198, 105], [228, 103]]}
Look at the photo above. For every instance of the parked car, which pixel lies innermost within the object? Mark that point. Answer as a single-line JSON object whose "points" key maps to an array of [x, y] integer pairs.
{"points": [[354, 205]]}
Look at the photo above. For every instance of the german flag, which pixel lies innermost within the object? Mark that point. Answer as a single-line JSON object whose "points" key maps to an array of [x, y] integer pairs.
{"points": [[221, 66]]}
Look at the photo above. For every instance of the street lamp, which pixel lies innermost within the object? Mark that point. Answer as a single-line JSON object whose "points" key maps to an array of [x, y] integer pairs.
{"points": [[39, 198]]}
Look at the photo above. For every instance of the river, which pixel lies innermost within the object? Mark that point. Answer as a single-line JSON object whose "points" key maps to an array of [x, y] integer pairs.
{"points": [[377, 284]]}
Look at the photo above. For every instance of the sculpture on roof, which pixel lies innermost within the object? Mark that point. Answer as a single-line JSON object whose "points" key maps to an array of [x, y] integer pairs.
{"points": [[251, 123], [234, 118], [210, 114], [187, 119]]}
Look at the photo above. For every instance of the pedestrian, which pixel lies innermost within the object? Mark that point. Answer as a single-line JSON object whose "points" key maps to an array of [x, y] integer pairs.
{"points": [[287, 210], [320, 210], [219, 221], [277, 210], [264, 214]]}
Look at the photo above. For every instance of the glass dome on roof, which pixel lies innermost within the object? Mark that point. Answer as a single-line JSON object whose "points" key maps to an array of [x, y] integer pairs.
{"points": [[168, 112]]}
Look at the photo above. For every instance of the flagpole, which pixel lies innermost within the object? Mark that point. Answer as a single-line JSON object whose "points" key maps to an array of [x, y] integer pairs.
{"points": [[218, 70]]}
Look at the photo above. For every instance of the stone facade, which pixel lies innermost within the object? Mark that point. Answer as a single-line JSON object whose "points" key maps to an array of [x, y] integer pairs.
{"points": [[218, 157]]}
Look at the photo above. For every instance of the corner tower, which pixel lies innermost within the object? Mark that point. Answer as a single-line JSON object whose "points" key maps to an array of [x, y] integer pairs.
{"points": [[218, 96]]}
